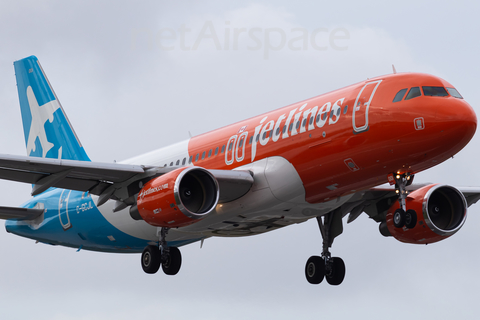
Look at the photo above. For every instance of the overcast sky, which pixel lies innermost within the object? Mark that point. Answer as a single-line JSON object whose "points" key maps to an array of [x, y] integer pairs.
{"points": [[136, 76]]}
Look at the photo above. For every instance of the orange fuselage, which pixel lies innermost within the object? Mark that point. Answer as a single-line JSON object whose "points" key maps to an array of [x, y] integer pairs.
{"points": [[349, 139]]}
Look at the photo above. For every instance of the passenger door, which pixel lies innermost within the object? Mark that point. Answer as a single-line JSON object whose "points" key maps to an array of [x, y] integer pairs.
{"points": [[362, 105]]}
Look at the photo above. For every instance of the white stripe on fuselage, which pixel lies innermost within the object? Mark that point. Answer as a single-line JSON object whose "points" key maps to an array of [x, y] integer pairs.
{"points": [[162, 156]]}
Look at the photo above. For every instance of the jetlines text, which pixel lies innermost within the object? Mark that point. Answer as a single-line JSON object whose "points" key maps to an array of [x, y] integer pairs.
{"points": [[298, 120]]}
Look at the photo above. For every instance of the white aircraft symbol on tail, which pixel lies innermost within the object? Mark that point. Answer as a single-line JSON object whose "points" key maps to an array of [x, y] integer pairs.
{"points": [[40, 115]]}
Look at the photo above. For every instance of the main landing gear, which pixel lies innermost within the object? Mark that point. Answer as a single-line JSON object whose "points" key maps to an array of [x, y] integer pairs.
{"points": [[169, 257], [403, 217], [326, 266]]}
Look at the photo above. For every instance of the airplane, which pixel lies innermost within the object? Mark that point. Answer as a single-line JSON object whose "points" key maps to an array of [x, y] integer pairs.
{"points": [[350, 151]]}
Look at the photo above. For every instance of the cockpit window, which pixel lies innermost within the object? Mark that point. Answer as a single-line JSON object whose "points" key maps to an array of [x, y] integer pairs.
{"points": [[413, 93], [435, 91], [400, 94], [454, 93]]}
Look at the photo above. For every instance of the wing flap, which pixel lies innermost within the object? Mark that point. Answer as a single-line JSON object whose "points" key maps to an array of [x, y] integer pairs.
{"points": [[20, 175]]}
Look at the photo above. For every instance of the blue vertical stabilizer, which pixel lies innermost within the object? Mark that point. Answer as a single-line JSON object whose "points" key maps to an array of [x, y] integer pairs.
{"points": [[48, 133]]}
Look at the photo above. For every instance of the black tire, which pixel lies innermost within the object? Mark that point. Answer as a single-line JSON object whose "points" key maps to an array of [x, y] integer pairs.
{"points": [[151, 259], [399, 218], [410, 219], [172, 262], [315, 270], [337, 273]]}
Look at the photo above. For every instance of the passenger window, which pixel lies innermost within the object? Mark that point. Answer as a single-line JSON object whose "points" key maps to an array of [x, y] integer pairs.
{"points": [[413, 93], [178, 162], [304, 122], [210, 153], [171, 164], [190, 159], [284, 128], [223, 149], [345, 109], [298, 125], [435, 91], [203, 155], [196, 158], [216, 151], [311, 120], [400, 94], [290, 127], [251, 140], [454, 93], [278, 131]]}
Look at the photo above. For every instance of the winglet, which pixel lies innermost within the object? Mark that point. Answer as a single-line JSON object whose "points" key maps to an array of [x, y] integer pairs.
{"points": [[48, 132]]}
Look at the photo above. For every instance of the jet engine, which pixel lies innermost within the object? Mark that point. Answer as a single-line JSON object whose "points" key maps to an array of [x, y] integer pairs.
{"points": [[440, 210], [178, 198]]}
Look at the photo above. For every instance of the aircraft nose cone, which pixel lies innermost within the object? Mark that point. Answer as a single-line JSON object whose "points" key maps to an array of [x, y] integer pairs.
{"points": [[459, 122]]}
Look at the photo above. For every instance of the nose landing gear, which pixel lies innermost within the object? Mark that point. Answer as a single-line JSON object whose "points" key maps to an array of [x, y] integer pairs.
{"points": [[403, 217]]}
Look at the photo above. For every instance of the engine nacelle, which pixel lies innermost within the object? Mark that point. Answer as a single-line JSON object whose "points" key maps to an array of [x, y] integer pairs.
{"points": [[441, 212], [178, 198]]}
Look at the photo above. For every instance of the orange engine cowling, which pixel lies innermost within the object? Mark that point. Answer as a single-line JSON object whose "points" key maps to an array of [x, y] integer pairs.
{"points": [[441, 212], [178, 198]]}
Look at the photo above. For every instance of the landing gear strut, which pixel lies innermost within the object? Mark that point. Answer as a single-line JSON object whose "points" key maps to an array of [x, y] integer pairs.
{"points": [[326, 266], [169, 257], [403, 217]]}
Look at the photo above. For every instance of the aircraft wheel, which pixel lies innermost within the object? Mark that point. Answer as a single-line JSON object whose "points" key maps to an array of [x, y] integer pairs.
{"points": [[151, 259], [337, 272], [172, 261], [410, 219], [315, 270], [399, 218]]}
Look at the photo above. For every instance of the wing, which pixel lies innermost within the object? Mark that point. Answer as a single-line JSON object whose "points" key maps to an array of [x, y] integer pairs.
{"points": [[472, 194], [10, 213], [376, 201], [67, 174], [107, 180]]}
